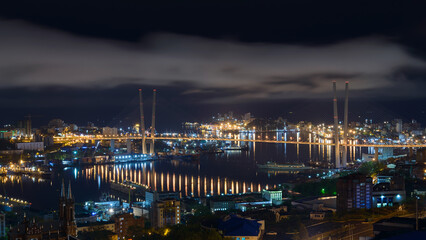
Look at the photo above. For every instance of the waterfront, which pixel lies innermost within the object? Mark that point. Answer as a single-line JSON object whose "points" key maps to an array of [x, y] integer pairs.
{"points": [[231, 172]]}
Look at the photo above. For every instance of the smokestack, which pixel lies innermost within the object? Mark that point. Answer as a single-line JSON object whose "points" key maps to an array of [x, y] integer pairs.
{"points": [[345, 126], [153, 120], [142, 124], [336, 126]]}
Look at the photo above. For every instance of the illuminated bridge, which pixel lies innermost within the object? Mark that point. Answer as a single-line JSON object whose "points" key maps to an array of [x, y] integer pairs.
{"points": [[187, 138], [345, 143]]}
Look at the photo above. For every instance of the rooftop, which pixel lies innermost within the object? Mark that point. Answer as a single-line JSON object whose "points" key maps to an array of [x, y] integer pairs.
{"points": [[238, 226]]}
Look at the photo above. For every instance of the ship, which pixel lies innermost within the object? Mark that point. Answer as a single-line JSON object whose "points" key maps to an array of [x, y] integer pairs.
{"points": [[235, 148], [213, 150], [30, 171], [276, 166]]}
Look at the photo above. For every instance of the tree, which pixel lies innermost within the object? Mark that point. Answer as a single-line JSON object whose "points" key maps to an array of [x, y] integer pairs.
{"points": [[371, 168], [135, 232], [6, 145], [323, 187], [193, 232]]}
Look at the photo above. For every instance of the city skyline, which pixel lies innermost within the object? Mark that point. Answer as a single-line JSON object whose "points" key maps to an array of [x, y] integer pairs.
{"points": [[212, 119]]}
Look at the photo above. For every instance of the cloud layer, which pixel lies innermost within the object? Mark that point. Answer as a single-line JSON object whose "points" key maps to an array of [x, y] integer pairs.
{"points": [[223, 70]]}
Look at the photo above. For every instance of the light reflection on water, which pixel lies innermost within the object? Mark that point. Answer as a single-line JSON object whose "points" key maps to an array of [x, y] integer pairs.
{"points": [[232, 172]]}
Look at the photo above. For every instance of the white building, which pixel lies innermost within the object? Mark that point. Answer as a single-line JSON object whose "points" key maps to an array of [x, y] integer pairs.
{"points": [[139, 211], [367, 157], [32, 146], [109, 131], [275, 196]]}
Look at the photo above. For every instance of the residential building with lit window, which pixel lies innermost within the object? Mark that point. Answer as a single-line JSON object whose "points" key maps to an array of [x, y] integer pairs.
{"points": [[165, 213], [354, 192], [124, 221]]}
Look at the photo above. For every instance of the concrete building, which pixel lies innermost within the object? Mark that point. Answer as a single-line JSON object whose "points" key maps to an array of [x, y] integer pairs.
{"points": [[354, 192], [165, 213], [242, 202], [385, 153], [275, 196], [31, 146], [96, 226], [139, 211], [316, 204], [47, 140], [85, 218], [388, 190], [109, 131], [221, 205], [398, 125], [124, 221], [317, 216], [280, 213], [247, 117], [368, 157], [154, 196], [25, 126], [7, 134]]}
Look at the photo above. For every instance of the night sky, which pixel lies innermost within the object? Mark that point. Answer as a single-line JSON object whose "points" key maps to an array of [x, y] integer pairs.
{"points": [[85, 60]]}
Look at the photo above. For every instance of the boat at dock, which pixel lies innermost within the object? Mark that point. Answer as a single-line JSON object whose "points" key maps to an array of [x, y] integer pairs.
{"points": [[276, 166], [42, 172]]}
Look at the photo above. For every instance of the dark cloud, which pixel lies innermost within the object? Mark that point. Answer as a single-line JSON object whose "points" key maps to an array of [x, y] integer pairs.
{"points": [[309, 82], [229, 54], [34, 57], [14, 73]]}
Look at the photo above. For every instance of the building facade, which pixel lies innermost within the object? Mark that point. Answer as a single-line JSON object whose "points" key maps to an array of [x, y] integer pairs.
{"points": [[154, 196], [388, 191], [354, 192], [165, 213], [31, 146], [275, 196], [124, 221]]}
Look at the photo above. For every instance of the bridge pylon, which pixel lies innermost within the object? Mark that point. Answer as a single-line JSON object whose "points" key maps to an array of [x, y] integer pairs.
{"points": [[336, 127], [142, 124], [154, 94]]}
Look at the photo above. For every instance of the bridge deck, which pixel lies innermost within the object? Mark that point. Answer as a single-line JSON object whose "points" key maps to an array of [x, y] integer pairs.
{"points": [[124, 137]]}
